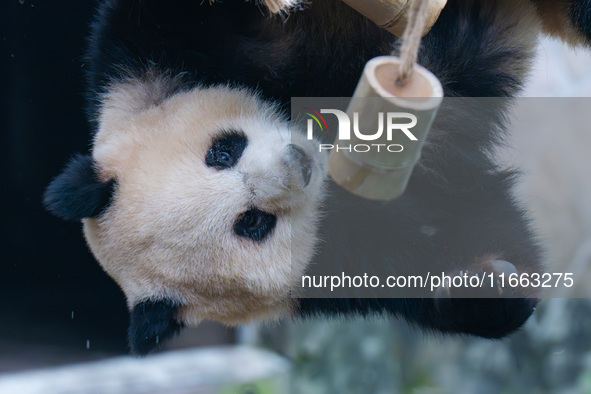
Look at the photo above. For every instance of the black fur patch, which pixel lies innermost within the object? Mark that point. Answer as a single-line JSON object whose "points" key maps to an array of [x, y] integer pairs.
{"points": [[288, 58], [580, 13], [225, 151], [151, 323], [77, 193]]}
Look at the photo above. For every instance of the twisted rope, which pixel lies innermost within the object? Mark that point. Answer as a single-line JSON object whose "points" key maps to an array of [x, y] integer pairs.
{"points": [[411, 39]]}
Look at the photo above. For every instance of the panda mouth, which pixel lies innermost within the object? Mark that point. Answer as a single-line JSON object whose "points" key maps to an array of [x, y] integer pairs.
{"points": [[255, 224]]}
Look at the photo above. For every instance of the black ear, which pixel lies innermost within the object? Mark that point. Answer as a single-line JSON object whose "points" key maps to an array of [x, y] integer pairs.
{"points": [[77, 193], [151, 323]]}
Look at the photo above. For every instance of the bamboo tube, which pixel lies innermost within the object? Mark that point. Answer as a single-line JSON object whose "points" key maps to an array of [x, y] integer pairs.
{"points": [[383, 174], [391, 14]]}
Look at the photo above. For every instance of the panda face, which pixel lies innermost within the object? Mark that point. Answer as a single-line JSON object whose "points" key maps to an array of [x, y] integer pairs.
{"points": [[216, 202]]}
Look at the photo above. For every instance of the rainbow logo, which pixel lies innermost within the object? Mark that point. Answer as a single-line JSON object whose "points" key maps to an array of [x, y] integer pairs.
{"points": [[315, 115]]}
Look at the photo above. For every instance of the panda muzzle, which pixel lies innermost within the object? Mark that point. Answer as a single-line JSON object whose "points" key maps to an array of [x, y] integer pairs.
{"points": [[299, 166]]}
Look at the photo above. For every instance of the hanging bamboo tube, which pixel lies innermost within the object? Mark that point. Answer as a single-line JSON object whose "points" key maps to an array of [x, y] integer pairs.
{"points": [[383, 174]]}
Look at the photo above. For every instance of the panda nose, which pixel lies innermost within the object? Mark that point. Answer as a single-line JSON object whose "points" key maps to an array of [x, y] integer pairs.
{"points": [[299, 165]]}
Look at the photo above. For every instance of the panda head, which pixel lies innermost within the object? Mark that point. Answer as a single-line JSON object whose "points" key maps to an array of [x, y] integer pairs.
{"points": [[200, 205]]}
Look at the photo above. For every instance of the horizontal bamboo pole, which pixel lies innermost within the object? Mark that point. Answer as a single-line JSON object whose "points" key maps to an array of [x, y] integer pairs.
{"points": [[392, 15]]}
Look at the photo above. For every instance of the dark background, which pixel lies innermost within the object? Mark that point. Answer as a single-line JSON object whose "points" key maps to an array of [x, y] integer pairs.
{"points": [[46, 269], [47, 273]]}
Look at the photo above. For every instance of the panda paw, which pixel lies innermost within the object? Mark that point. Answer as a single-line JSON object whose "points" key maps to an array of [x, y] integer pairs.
{"points": [[483, 282], [483, 304]]}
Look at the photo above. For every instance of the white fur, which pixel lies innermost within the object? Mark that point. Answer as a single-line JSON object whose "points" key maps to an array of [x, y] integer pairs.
{"points": [[276, 6], [169, 230]]}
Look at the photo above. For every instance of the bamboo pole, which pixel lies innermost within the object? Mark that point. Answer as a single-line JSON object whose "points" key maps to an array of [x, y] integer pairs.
{"points": [[388, 14], [392, 14]]}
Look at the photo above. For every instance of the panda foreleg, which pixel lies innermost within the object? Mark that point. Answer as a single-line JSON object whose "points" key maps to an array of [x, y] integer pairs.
{"points": [[470, 232], [487, 239]]}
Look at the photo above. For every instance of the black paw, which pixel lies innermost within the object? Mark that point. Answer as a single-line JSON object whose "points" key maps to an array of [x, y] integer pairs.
{"points": [[483, 303]]}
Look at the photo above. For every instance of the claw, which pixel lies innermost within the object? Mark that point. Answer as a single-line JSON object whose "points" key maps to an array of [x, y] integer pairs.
{"points": [[503, 266]]}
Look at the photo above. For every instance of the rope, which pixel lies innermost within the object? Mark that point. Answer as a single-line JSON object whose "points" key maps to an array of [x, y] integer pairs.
{"points": [[411, 39]]}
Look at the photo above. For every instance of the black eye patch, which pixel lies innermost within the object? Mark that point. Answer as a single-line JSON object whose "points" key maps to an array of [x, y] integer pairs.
{"points": [[255, 224], [226, 150]]}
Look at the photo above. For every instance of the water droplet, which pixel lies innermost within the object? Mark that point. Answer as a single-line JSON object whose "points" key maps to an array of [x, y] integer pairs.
{"points": [[87, 344], [72, 315], [21, 2]]}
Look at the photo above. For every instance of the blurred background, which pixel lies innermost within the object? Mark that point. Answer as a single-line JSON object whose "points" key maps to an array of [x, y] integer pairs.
{"points": [[57, 307]]}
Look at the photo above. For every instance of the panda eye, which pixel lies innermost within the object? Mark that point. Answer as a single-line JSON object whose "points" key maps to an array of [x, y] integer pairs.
{"points": [[226, 150], [255, 224], [224, 157]]}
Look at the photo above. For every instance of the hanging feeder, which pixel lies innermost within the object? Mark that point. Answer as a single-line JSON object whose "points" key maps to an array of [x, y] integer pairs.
{"points": [[397, 87], [383, 175]]}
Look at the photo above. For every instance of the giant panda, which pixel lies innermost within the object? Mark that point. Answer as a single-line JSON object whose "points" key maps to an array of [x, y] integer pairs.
{"points": [[202, 201]]}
